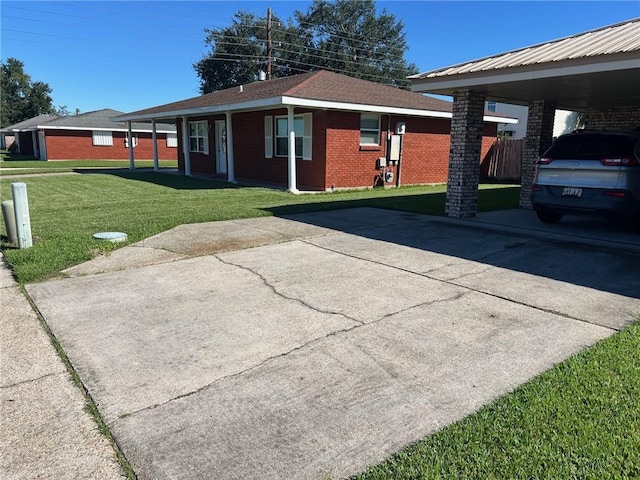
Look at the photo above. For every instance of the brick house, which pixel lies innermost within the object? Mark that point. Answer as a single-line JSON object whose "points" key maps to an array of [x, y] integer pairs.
{"points": [[315, 131], [90, 136]]}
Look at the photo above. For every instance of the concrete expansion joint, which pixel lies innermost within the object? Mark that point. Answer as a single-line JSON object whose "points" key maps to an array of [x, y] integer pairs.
{"points": [[292, 299]]}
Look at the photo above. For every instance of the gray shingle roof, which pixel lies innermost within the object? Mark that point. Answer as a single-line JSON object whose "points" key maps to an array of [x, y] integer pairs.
{"points": [[320, 85], [99, 119], [31, 122]]}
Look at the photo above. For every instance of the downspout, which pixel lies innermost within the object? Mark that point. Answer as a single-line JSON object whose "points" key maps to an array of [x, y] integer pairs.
{"points": [[132, 165], [231, 176], [154, 141], [185, 147], [292, 151]]}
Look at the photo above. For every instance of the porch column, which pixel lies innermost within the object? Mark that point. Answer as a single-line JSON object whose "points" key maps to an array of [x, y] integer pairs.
{"points": [[34, 142], [539, 137], [185, 147], [154, 141], [231, 175], [464, 154], [292, 151], [132, 165]]}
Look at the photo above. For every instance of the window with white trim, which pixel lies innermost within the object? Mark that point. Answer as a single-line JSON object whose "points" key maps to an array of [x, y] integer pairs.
{"points": [[172, 140], [491, 106], [198, 137], [278, 134], [101, 138], [369, 129]]}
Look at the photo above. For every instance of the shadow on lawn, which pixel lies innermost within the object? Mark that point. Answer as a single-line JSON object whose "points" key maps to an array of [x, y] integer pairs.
{"points": [[579, 264], [168, 179]]}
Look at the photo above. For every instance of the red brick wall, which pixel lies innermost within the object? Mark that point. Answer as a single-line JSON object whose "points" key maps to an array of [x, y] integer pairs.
{"points": [[78, 145], [338, 160], [200, 162]]}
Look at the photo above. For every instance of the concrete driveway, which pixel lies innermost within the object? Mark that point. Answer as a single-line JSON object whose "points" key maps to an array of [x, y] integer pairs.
{"points": [[320, 343]]}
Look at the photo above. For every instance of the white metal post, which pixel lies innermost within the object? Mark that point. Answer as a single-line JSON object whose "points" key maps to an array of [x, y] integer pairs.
{"points": [[185, 147], [154, 140], [293, 188], [21, 207], [132, 164], [231, 175]]}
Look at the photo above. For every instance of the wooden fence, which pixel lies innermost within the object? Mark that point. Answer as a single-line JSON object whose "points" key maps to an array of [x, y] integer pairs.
{"points": [[503, 162]]}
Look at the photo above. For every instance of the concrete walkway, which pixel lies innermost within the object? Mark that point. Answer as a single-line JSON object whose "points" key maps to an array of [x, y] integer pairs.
{"points": [[314, 345], [46, 432]]}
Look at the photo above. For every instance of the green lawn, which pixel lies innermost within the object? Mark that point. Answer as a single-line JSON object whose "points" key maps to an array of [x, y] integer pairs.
{"points": [[579, 420], [66, 210]]}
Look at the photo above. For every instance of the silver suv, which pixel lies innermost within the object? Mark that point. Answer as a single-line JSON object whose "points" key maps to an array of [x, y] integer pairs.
{"points": [[592, 172]]}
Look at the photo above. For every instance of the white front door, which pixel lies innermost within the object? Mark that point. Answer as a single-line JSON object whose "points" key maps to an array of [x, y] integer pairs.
{"points": [[221, 146]]}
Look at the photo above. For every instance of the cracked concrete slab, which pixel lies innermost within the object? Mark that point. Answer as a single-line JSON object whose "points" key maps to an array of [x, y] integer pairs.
{"points": [[317, 344], [350, 400], [142, 337]]}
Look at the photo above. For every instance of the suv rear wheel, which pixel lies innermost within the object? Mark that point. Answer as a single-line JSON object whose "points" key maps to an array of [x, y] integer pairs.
{"points": [[548, 216]]}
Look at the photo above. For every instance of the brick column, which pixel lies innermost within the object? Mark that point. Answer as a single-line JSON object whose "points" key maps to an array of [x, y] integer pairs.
{"points": [[539, 138], [464, 154]]}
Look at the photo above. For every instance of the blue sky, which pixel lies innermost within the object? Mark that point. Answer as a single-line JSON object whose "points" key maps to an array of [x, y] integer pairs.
{"points": [[131, 55]]}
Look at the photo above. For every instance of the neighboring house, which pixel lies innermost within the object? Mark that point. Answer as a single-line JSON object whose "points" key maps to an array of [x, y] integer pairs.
{"points": [[90, 136], [564, 120], [316, 131]]}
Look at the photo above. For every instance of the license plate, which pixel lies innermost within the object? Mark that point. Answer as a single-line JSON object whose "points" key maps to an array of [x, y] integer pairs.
{"points": [[572, 192]]}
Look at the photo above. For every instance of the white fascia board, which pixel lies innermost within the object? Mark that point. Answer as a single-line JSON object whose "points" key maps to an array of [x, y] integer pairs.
{"points": [[275, 102], [357, 107], [97, 129], [471, 80]]}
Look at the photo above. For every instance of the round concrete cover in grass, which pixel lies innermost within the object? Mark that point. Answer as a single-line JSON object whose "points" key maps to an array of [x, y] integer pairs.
{"points": [[111, 236]]}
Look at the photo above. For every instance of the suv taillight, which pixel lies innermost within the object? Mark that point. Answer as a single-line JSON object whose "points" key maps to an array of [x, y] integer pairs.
{"points": [[545, 161], [619, 161]]}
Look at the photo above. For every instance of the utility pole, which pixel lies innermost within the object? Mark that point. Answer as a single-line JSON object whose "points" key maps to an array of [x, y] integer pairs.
{"points": [[269, 43]]}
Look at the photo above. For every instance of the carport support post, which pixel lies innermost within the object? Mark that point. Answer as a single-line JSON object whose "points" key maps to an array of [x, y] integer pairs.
{"points": [[231, 175], [292, 151], [154, 141], [185, 147], [539, 138], [464, 154], [132, 165]]}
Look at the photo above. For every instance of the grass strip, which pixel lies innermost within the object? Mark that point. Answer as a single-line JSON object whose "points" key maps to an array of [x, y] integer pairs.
{"points": [[578, 420], [67, 210]]}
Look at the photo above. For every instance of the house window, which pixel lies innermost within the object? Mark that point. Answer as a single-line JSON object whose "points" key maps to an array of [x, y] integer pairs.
{"points": [[198, 138], [172, 140], [302, 129], [282, 136], [369, 129], [102, 139], [491, 106]]}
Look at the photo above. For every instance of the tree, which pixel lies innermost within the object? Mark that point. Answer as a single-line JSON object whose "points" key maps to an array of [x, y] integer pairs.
{"points": [[21, 98], [344, 36]]}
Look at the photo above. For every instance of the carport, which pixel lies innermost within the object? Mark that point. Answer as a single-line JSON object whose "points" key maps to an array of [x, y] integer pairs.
{"points": [[596, 73]]}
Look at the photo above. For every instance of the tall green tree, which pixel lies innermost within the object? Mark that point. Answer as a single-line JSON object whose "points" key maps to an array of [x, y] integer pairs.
{"points": [[344, 36], [20, 97]]}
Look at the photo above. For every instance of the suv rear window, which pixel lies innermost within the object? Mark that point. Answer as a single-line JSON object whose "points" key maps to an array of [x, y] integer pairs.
{"points": [[586, 146]]}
